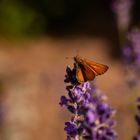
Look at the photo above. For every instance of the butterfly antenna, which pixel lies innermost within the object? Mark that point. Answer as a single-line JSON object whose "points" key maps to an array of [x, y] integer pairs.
{"points": [[77, 52], [69, 57]]}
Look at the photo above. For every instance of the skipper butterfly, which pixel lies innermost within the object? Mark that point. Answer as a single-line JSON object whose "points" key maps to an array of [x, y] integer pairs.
{"points": [[86, 69]]}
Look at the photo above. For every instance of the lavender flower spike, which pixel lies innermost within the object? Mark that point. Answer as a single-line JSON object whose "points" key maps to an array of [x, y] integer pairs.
{"points": [[92, 116], [131, 56], [122, 9]]}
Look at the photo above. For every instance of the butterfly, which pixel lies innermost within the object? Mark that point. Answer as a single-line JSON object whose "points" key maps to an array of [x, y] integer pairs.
{"points": [[86, 69]]}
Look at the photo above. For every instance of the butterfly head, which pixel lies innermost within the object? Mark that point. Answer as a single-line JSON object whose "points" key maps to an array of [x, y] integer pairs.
{"points": [[77, 59]]}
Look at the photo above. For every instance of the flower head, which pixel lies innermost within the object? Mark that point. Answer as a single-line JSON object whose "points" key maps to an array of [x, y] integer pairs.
{"points": [[92, 116], [131, 56], [122, 9]]}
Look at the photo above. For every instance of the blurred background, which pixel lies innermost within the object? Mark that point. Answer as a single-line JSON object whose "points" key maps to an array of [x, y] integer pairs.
{"points": [[35, 39]]}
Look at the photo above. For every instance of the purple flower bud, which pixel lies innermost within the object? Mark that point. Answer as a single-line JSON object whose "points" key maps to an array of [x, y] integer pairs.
{"points": [[72, 109], [138, 99], [136, 137], [63, 101], [91, 116], [137, 119], [68, 138], [86, 86], [71, 129], [70, 77]]}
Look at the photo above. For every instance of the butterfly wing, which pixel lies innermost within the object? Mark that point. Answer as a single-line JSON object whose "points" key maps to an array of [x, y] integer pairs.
{"points": [[84, 73], [79, 75], [97, 68]]}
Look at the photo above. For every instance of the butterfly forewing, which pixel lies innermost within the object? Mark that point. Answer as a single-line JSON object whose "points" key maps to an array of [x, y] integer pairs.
{"points": [[84, 73], [97, 68]]}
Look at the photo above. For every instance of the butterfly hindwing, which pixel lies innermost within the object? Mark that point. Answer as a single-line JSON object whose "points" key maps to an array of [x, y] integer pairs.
{"points": [[84, 73]]}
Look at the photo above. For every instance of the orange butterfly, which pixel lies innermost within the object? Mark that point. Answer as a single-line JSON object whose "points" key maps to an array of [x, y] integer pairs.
{"points": [[86, 69]]}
